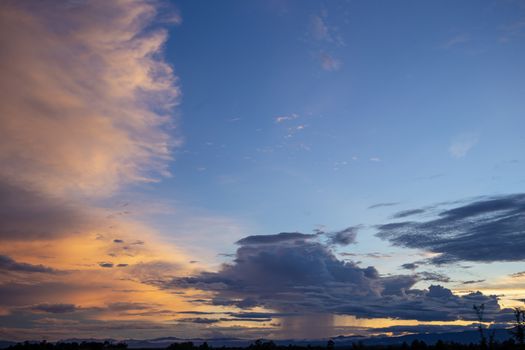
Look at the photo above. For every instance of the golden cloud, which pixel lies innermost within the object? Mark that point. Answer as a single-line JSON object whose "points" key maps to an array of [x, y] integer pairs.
{"points": [[85, 95]]}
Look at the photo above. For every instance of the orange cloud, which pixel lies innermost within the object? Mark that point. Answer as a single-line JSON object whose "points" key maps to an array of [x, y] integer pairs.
{"points": [[85, 109], [85, 96]]}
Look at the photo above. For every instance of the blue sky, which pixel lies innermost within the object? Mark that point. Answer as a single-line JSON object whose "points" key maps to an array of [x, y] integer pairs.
{"points": [[197, 168], [413, 80]]}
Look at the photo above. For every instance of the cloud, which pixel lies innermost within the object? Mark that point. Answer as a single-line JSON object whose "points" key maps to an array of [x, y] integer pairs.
{"points": [[273, 239], [260, 315], [433, 276], [26, 213], [10, 265], [427, 328], [85, 111], [154, 270], [456, 40], [329, 63], [23, 294], [55, 308], [485, 230], [472, 281], [462, 145], [410, 266], [126, 306], [200, 320], [324, 33], [319, 29], [325, 37], [380, 205], [344, 237], [518, 274], [303, 276], [85, 96], [405, 213], [283, 118]]}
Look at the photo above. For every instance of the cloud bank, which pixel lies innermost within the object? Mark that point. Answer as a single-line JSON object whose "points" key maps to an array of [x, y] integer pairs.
{"points": [[485, 230], [303, 276]]}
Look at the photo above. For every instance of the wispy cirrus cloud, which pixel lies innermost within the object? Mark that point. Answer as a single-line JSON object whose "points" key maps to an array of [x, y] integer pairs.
{"points": [[456, 40], [326, 37], [320, 30], [329, 63]]}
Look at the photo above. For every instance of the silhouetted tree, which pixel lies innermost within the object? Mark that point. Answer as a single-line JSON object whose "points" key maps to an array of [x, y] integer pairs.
{"points": [[480, 310], [519, 327]]}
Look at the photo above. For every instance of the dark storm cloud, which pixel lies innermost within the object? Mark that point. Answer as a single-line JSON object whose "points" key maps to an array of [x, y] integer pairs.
{"points": [[344, 237], [436, 303], [273, 239], [304, 276], [486, 230], [505, 315], [8, 264]]}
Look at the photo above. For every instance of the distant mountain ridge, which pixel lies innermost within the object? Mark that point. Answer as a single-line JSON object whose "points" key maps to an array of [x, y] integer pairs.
{"points": [[464, 337]]}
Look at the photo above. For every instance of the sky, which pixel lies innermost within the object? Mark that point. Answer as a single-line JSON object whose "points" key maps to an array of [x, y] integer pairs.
{"points": [[260, 169]]}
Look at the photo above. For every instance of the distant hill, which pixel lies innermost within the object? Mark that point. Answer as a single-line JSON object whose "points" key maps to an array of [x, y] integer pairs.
{"points": [[464, 337], [6, 343]]}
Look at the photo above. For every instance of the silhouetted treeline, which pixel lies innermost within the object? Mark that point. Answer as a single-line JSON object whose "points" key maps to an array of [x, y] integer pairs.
{"points": [[44, 345], [270, 345]]}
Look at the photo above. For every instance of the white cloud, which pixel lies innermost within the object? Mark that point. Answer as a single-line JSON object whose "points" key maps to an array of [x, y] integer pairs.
{"points": [[460, 146], [283, 118]]}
